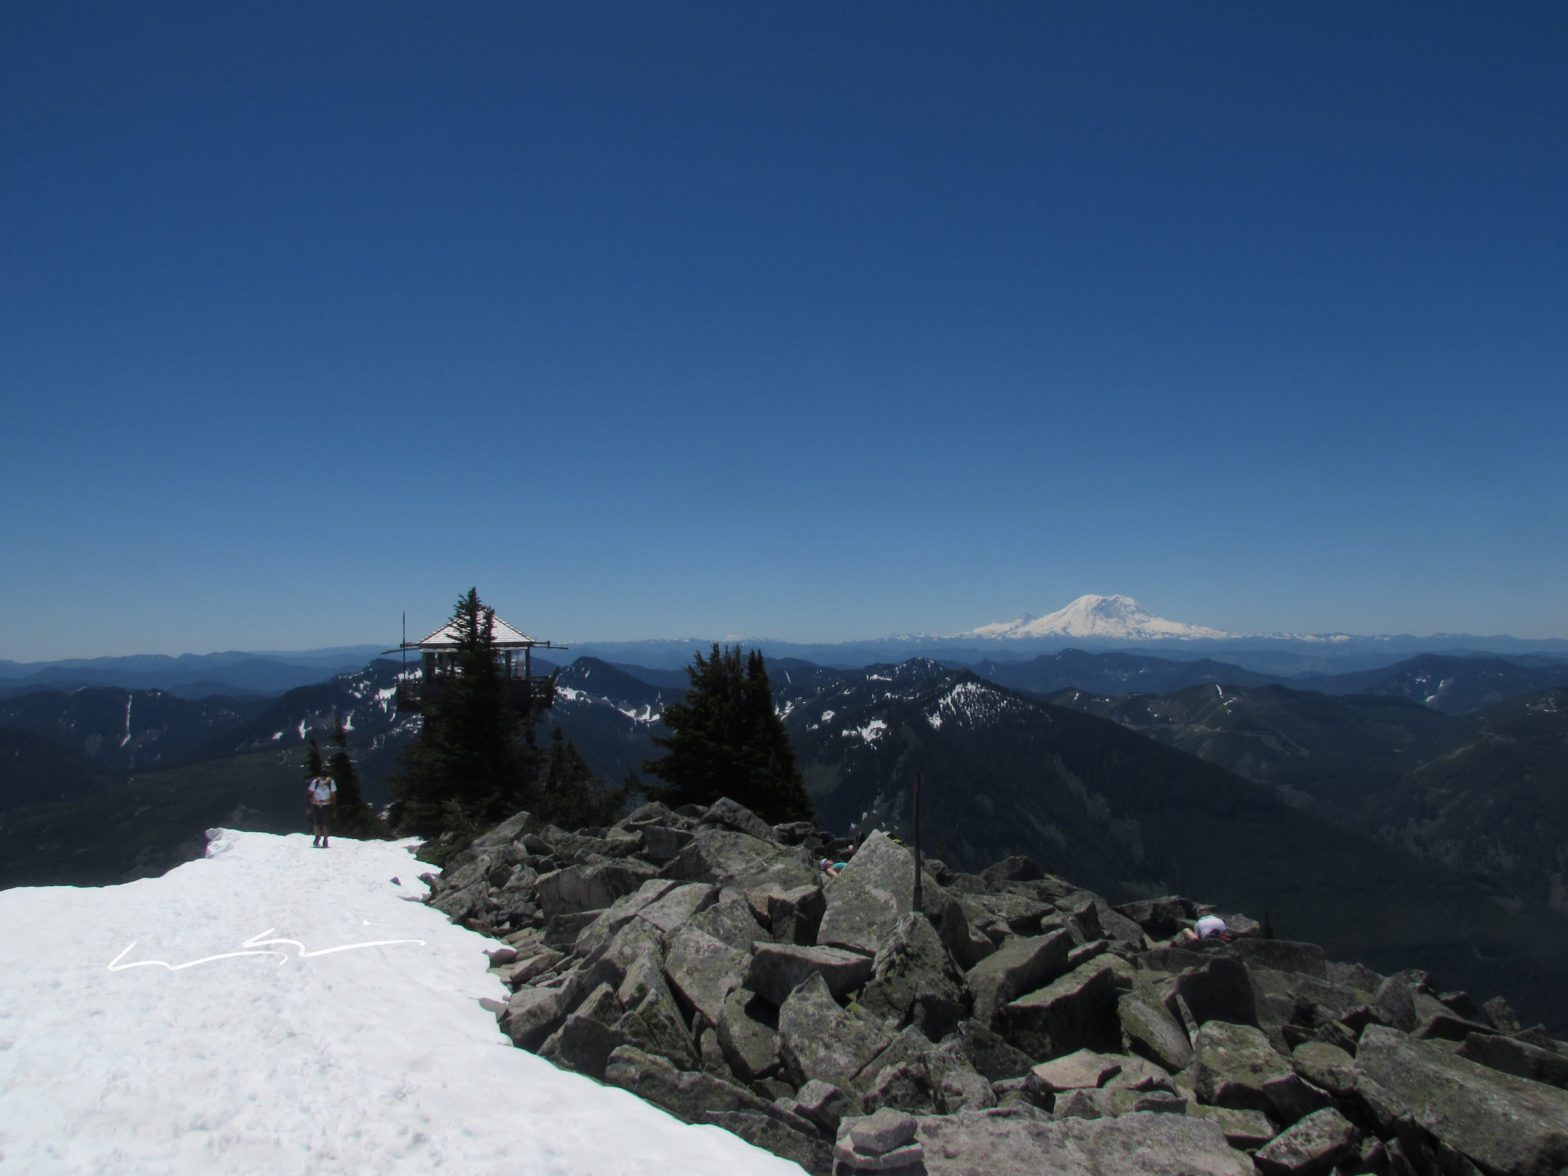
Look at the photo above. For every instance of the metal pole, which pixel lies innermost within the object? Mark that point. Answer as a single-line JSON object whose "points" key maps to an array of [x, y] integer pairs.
{"points": [[919, 896]]}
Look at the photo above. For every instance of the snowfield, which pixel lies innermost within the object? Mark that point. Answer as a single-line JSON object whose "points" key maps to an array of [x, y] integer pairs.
{"points": [[276, 1008]]}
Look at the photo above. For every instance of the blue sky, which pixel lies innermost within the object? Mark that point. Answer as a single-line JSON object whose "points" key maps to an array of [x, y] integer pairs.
{"points": [[806, 320]]}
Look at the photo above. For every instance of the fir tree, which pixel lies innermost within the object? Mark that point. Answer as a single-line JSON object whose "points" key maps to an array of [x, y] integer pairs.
{"points": [[727, 740], [355, 818], [473, 763], [314, 766], [571, 796]]}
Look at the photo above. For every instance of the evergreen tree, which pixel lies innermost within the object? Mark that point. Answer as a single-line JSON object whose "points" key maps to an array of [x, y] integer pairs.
{"points": [[473, 763], [727, 740], [354, 818], [313, 763], [571, 796]]}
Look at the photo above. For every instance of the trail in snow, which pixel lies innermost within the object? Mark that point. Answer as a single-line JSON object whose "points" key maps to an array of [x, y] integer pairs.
{"points": [[283, 1009]]}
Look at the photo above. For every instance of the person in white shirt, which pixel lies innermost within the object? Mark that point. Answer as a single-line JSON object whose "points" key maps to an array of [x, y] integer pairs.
{"points": [[1208, 927], [321, 798]]}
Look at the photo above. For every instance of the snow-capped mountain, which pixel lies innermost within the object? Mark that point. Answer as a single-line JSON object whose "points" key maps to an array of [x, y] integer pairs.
{"points": [[1116, 618]]}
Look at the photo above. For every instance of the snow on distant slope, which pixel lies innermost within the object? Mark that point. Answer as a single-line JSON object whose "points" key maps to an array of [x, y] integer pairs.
{"points": [[275, 1008], [1111, 617]]}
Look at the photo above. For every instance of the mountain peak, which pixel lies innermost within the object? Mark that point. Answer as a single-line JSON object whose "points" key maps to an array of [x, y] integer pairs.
{"points": [[1119, 618]]}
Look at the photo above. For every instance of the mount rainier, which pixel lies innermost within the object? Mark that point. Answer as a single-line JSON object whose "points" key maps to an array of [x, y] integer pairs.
{"points": [[1118, 618]]}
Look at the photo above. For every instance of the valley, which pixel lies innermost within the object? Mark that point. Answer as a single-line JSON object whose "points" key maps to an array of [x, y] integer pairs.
{"points": [[1390, 830]]}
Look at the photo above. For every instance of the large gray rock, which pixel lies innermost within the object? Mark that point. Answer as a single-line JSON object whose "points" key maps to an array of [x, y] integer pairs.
{"points": [[1498, 1121], [531, 1015], [777, 969], [577, 889], [634, 943], [1394, 1005], [729, 919], [794, 914], [822, 1104], [653, 1020], [1160, 918], [1074, 1011], [955, 1083], [915, 982], [534, 959], [750, 1045], [1282, 955], [686, 1094], [1118, 927], [1018, 966], [1152, 1031], [677, 906], [990, 1054], [1244, 1129], [587, 1037], [817, 1039], [1325, 1066], [1081, 916], [727, 858], [1083, 1069], [662, 844], [702, 971], [1282, 998], [725, 813], [514, 828], [1311, 1147], [1236, 1066], [867, 901], [773, 1134], [1517, 1057], [996, 1144], [1218, 990], [1006, 914], [964, 942]]}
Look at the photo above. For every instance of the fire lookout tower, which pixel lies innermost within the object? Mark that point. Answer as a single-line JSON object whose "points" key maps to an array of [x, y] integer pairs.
{"points": [[439, 663]]}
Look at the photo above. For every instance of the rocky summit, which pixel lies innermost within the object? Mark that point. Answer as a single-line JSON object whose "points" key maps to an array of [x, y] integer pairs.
{"points": [[1009, 1023]]}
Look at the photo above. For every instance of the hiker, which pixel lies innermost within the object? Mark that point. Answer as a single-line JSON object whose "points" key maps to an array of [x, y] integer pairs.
{"points": [[834, 868], [1207, 927], [321, 798]]}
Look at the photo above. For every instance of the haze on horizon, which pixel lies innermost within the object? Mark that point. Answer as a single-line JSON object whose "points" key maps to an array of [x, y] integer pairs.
{"points": [[814, 322]]}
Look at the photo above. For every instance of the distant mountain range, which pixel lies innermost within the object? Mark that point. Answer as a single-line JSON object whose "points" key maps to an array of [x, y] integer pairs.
{"points": [[1090, 623], [1417, 820], [189, 675]]}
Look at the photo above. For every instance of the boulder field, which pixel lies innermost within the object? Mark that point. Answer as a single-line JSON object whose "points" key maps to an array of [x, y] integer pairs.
{"points": [[1014, 1023]]}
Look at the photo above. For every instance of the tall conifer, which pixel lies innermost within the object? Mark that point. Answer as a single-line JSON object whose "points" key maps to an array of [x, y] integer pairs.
{"points": [[726, 739], [472, 764]]}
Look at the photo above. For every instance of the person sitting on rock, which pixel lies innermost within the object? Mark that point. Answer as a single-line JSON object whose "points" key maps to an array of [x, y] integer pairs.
{"points": [[834, 868], [1207, 927]]}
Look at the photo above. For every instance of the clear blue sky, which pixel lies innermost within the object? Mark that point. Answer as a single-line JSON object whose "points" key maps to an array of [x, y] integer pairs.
{"points": [[809, 320]]}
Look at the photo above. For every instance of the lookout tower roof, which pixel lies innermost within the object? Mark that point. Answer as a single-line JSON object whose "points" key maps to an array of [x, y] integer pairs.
{"points": [[506, 637]]}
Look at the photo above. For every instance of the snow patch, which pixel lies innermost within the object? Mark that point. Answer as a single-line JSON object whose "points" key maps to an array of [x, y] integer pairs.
{"points": [[249, 1060], [871, 732]]}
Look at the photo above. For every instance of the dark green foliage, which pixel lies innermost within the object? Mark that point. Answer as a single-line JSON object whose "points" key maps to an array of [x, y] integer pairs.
{"points": [[473, 760], [354, 816], [37, 770], [571, 797], [727, 740], [139, 826], [314, 765]]}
